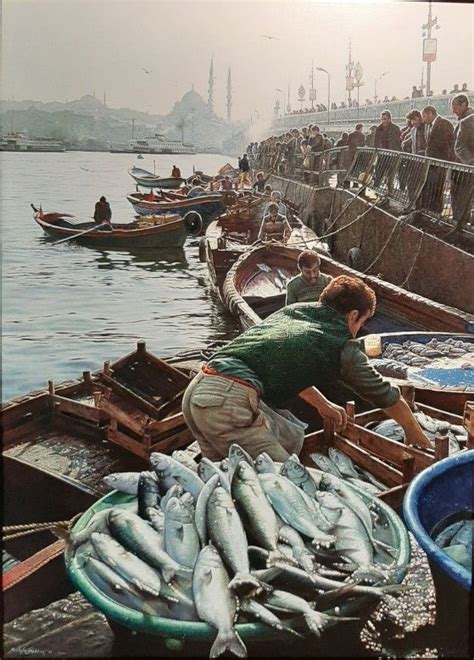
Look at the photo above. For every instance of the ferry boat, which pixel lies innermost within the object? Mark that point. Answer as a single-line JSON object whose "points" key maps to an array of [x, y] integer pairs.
{"points": [[20, 142], [157, 144]]}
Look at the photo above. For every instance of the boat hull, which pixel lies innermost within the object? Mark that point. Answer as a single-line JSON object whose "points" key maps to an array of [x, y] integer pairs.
{"points": [[208, 207], [171, 234]]}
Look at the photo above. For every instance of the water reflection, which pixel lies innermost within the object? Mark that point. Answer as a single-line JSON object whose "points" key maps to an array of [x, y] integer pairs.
{"points": [[165, 259]]}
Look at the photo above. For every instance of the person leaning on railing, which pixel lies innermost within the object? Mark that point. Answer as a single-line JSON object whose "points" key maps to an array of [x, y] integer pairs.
{"points": [[461, 183], [439, 137]]}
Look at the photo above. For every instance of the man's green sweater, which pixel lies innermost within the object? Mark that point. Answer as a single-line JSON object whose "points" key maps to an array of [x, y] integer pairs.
{"points": [[302, 345]]}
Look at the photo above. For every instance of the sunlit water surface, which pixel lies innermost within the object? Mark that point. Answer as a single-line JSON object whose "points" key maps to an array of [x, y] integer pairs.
{"points": [[67, 308]]}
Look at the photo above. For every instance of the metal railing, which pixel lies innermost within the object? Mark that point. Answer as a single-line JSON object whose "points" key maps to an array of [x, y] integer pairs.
{"points": [[367, 113], [442, 190]]}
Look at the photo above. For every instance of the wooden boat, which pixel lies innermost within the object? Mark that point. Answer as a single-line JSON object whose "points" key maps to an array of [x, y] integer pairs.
{"points": [[255, 287], [440, 380], [63, 441], [235, 231], [149, 180], [150, 232], [204, 205]]}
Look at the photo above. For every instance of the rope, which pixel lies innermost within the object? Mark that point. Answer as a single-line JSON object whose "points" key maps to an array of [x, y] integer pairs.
{"points": [[359, 217], [34, 528], [414, 261], [384, 246]]}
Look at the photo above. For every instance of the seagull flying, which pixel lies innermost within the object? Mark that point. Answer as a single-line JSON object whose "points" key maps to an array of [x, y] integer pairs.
{"points": [[268, 36], [145, 70]]}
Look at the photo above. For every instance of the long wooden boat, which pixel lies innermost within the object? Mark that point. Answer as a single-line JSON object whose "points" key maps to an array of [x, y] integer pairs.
{"points": [[234, 232], [207, 205], [151, 232], [149, 180], [439, 364], [62, 441], [255, 287]]}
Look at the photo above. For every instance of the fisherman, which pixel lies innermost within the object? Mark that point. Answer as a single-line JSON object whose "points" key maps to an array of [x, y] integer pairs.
{"points": [[259, 185], [226, 183], [299, 350], [244, 167], [309, 284], [275, 196], [176, 172], [274, 225], [103, 214]]}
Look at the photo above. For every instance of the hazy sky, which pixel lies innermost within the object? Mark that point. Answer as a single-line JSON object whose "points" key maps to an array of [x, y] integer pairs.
{"points": [[63, 49]]}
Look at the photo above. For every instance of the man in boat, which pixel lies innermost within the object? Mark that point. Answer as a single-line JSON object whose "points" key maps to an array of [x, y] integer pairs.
{"points": [[309, 284], [103, 214], [299, 350], [226, 183], [176, 172], [274, 225], [244, 167], [275, 196], [259, 185]]}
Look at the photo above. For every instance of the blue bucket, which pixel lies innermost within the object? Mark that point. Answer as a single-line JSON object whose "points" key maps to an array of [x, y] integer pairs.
{"points": [[444, 490]]}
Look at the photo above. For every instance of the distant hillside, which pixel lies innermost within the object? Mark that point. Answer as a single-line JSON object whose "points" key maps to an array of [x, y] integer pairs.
{"points": [[87, 121]]}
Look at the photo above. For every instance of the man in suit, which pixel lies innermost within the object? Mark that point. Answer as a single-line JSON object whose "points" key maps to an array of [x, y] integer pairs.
{"points": [[462, 182], [439, 138]]}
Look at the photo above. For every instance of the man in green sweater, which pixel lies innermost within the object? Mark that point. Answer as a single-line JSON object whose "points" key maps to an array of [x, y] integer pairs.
{"points": [[299, 350], [309, 284]]}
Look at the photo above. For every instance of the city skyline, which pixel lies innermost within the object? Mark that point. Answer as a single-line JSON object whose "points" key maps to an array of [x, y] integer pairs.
{"points": [[108, 46]]}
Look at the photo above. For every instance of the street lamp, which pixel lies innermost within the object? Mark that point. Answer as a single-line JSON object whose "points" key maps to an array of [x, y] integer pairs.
{"points": [[319, 68], [375, 85], [284, 98]]}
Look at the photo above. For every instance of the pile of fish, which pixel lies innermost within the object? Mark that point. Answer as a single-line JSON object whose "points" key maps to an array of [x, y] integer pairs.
{"points": [[238, 540], [431, 426], [397, 358], [340, 465], [457, 541]]}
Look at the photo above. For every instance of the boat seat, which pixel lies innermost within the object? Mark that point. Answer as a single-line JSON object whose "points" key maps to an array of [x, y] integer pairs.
{"points": [[8, 561]]}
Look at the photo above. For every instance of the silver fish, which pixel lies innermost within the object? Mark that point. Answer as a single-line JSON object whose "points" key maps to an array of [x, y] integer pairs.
{"points": [[263, 614], [227, 533], [299, 475], [139, 537], [175, 491], [98, 523], [237, 454], [302, 555], [343, 462], [257, 513], [365, 485], [290, 504], [200, 512], [188, 479], [185, 458], [215, 602], [148, 493], [209, 468], [264, 463], [325, 464], [125, 482], [163, 471], [130, 567], [181, 537], [156, 517]]}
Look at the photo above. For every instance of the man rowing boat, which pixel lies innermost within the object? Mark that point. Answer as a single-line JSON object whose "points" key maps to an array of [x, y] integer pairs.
{"points": [[299, 350]]}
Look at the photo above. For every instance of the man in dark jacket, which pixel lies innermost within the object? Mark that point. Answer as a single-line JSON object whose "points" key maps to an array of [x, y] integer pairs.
{"points": [[355, 140], [462, 182], [387, 136], [439, 138], [103, 214]]}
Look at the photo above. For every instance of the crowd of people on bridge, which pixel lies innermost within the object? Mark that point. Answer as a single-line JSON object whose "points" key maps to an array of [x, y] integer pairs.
{"points": [[425, 133]]}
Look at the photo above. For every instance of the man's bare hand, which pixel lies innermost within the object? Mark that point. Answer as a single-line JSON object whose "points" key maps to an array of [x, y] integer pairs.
{"points": [[336, 413]]}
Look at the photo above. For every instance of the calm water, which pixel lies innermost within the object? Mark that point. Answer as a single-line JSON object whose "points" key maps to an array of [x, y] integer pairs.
{"points": [[67, 308]]}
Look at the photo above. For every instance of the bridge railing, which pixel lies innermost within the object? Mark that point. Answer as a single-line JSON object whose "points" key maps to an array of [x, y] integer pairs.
{"points": [[444, 190]]}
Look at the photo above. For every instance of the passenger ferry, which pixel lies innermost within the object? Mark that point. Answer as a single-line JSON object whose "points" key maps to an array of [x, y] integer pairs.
{"points": [[158, 144], [20, 142]]}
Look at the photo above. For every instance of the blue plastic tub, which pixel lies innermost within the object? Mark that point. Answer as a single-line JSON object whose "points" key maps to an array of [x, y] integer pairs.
{"points": [[442, 491]]}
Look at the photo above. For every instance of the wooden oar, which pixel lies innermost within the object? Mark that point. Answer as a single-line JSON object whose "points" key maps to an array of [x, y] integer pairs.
{"points": [[81, 233]]}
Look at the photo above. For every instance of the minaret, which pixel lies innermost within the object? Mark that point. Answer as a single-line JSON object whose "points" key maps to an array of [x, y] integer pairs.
{"points": [[229, 96], [210, 101]]}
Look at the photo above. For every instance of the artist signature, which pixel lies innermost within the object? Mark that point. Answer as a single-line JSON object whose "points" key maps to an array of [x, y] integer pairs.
{"points": [[33, 651]]}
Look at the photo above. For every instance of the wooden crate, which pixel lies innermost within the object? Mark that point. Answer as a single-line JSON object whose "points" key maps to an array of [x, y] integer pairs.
{"points": [[393, 463], [142, 399]]}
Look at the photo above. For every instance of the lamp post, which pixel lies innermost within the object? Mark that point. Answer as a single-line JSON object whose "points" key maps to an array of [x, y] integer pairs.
{"points": [[277, 89], [375, 85], [319, 68]]}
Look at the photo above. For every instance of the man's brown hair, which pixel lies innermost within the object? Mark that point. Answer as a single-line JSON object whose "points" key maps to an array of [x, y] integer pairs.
{"points": [[307, 259], [345, 293]]}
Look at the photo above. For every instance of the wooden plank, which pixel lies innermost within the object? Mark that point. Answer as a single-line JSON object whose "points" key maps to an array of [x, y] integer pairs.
{"points": [[164, 366], [38, 423], [117, 387], [177, 441], [170, 405], [134, 446], [11, 415], [76, 408], [389, 450], [122, 417], [76, 426], [363, 458], [394, 496], [165, 425], [440, 414]]}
